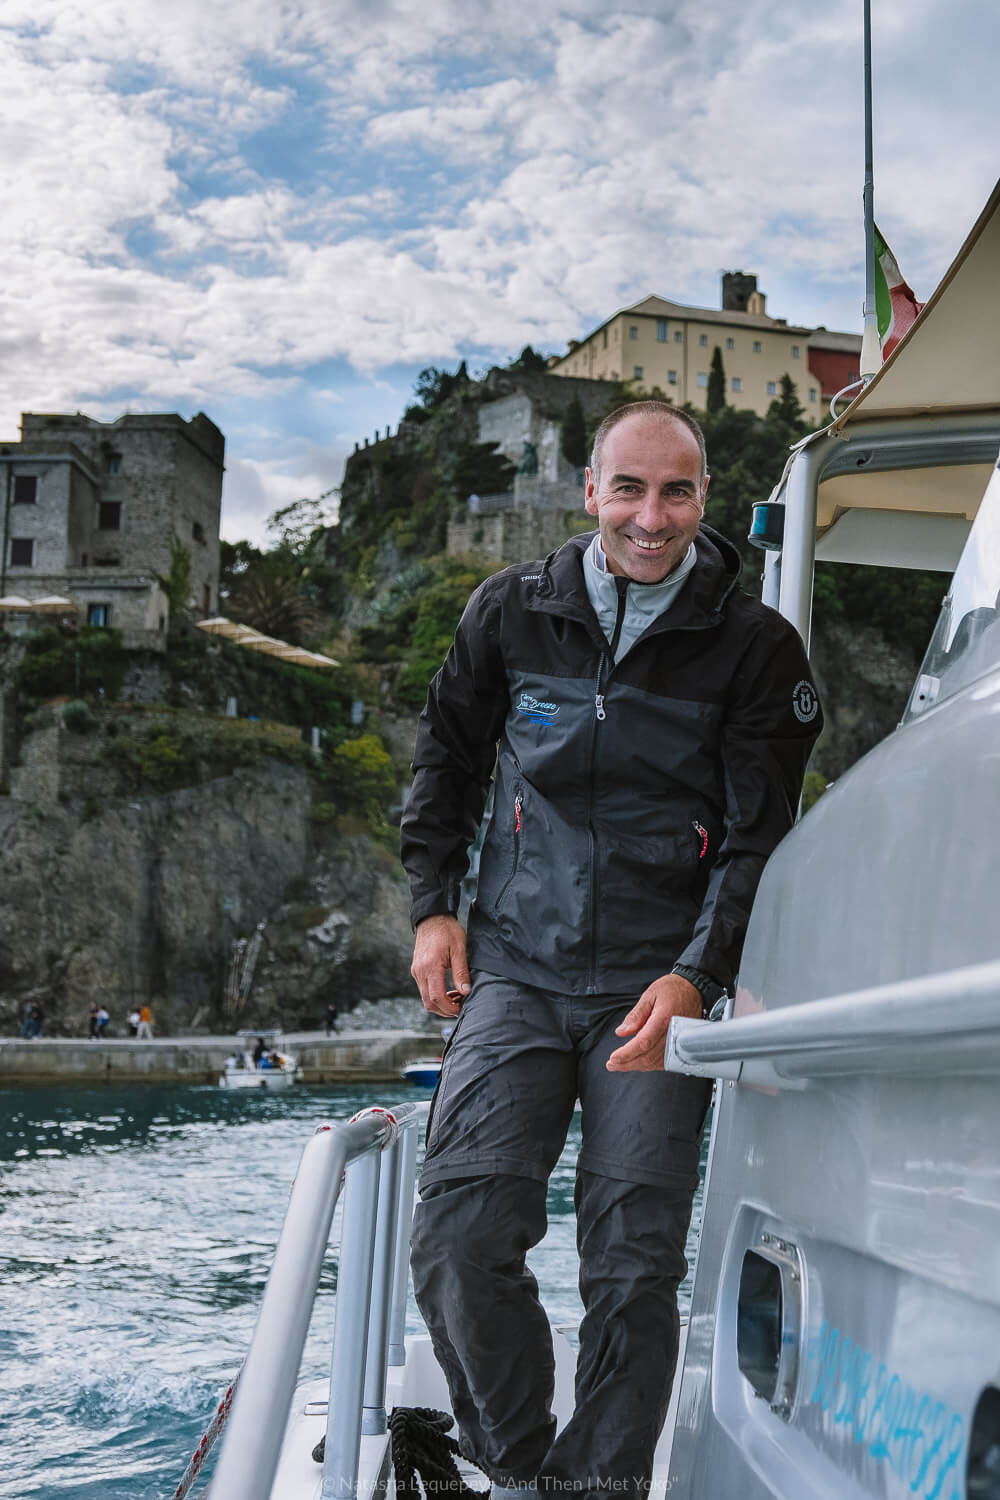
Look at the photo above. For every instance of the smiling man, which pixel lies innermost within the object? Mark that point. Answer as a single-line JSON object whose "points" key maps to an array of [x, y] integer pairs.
{"points": [[647, 725]]}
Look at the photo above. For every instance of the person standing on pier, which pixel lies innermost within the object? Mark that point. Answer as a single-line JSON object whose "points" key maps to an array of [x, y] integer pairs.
{"points": [[654, 724]]}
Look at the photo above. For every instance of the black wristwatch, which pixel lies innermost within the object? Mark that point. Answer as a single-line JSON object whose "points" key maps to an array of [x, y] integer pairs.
{"points": [[709, 988]]}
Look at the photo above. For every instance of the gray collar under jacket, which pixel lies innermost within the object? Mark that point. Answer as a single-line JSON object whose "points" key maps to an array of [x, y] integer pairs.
{"points": [[643, 602]]}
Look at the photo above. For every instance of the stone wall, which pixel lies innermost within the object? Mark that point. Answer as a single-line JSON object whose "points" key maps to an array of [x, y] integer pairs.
{"points": [[375, 1057], [514, 535]]}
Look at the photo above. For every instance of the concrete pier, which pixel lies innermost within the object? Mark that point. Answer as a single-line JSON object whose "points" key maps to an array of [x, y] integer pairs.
{"points": [[345, 1057]]}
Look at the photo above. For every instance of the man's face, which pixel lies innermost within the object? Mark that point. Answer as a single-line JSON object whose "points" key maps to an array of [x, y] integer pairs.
{"points": [[649, 496]]}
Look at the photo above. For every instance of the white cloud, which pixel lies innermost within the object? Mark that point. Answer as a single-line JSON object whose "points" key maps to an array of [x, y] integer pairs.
{"points": [[464, 180]]}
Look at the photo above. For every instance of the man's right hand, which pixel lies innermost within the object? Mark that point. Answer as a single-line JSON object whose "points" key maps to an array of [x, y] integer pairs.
{"points": [[440, 946]]}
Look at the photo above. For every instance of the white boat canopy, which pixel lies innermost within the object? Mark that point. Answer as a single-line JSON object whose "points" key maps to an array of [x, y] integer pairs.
{"points": [[897, 478]]}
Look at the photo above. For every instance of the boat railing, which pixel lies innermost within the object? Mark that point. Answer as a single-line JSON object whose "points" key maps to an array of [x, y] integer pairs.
{"points": [[944, 1022], [375, 1153]]}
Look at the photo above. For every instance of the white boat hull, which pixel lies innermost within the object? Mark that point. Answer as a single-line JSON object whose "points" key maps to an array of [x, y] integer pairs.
{"points": [[273, 1078]]}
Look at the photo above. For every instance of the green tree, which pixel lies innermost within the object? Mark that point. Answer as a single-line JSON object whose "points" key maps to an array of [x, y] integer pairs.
{"points": [[481, 469], [573, 434], [786, 412], [269, 596], [716, 382], [529, 361], [433, 387], [296, 524]]}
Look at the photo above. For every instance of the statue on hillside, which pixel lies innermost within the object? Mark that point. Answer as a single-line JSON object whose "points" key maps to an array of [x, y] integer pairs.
{"points": [[529, 460]]}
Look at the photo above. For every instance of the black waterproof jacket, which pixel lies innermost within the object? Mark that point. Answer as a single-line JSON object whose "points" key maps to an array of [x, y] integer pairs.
{"points": [[635, 803]]}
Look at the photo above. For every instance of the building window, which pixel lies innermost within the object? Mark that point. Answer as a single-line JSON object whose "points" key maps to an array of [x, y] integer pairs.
{"points": [[772, 387], [661, 330], [756, 346], [99, 614], [795, 351], [637, 372], [678, 336], [633, 331], [22, 552], [702, 379], [197, 531], [114, 463], [703, 340], [671, 377], [730, 343], [109, 515], [737, 383], [812, 393], [604, 335], [25, 489]]}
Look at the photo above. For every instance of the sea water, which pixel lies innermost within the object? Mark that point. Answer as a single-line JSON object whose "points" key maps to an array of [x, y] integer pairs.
{"points": [[137, 1228]]}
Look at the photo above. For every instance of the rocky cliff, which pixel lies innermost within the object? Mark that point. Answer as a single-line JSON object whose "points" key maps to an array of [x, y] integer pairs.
{"points": [[125, 899]]}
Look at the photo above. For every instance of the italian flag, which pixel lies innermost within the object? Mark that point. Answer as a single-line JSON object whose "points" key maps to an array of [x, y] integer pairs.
{"points": [[895, 305]]}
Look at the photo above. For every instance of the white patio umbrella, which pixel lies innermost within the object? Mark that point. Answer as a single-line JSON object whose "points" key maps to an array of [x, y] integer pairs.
{"points": [[54, 604], [217, 625], [12, 602]]}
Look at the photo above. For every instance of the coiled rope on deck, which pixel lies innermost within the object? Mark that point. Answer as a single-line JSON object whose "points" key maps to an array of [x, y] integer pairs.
{"points": [[421, 1451]]}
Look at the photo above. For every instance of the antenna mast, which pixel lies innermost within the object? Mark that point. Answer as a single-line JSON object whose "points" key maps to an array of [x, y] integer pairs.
{"points": [[871, 352]]}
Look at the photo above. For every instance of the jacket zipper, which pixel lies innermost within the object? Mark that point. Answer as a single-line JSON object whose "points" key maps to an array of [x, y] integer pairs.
{"points": [[606, 665], [518, 804]]}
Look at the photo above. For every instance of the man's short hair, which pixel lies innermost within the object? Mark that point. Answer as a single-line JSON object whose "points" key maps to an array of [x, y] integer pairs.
{"points": [[647, 409]]}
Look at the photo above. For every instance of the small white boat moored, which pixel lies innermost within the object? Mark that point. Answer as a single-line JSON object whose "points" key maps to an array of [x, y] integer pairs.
{"points": [[260, 1063]]}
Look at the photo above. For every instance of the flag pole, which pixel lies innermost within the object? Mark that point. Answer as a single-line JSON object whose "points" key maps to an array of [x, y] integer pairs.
{"points": [[871, 352]]}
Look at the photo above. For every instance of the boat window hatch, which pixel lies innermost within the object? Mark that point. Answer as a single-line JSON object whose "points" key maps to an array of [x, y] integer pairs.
{"points": [[769, 1321]]}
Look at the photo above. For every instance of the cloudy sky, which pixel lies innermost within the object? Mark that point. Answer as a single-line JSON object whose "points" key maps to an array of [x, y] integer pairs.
{"points": [[278, 211]]}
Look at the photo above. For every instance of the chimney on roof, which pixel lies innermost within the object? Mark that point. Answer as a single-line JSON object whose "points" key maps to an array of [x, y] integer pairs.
{"points": [[737, 289]]}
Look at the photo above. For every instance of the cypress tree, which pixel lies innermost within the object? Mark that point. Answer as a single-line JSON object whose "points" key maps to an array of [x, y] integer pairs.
{"points": [[716, 382], [573, 435]]}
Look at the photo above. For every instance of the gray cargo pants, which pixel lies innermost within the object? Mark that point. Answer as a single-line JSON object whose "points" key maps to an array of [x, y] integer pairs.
{"points": [[515, 1064]]}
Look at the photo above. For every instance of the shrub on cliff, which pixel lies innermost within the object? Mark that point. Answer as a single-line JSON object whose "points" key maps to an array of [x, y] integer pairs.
{"points": [[90, 661], [361, 778], [432, 623]]}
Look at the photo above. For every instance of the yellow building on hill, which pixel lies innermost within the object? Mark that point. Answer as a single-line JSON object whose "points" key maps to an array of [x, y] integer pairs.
{"points": [[665, 344]]}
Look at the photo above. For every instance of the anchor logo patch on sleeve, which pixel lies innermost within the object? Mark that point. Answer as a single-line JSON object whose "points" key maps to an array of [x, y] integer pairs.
{"points": [[805, 704]]}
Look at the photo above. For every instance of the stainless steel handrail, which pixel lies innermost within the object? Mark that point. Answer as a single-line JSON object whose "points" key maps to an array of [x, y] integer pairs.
{"points": [[949, 1020], [365, 1324]]}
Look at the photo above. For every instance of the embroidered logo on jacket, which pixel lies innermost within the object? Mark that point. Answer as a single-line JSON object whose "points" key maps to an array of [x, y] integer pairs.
{"points": [[537, 710], [805, 704]]}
